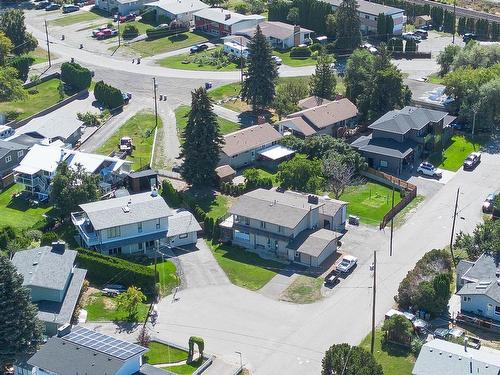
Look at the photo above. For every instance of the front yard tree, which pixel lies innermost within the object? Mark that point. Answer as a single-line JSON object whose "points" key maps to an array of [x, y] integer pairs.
{"points": [[398, 329], [348, 26], [5, 47], [12, 24], [21, 330], [287, 97], [259, 86], [11, 88], [130, 300], [359, 70], [202, 141], [484, 238], [349, 360], [301, 174], [323, 81], [445, 58]]}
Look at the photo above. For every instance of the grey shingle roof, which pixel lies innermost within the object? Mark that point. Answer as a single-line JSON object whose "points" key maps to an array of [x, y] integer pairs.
{"points": [[481, 278], [312, 101], [384, 146], [403, 120], [182, 222], [274, 29], [8, 146], [113, 212], [370, 7], [312, 242], [44, 268], [298, 124]]}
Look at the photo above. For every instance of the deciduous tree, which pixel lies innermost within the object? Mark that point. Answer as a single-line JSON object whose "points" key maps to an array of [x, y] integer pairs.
{"points": [[11, 88], [338, 174], [287, 97], [12, 24], [301, 174], [130, 300], [484, 238], [5, 48], [445, 57], [398, 328], [349, 360]]}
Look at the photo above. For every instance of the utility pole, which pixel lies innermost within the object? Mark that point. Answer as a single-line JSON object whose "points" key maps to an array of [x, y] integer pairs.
{"points": [[156, 104], [48, 43], [119, 39], [474, 120], [453, 227], [392, 223], [373, 302], [241, 60], [454, 20]]}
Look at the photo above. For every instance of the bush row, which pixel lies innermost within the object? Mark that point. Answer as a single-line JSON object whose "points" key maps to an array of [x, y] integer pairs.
{"points": [[76, 76], [302, 51], [108, 95], [163, 32]]}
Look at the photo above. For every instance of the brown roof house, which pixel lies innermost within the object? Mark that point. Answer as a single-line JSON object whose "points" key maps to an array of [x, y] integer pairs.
{"points": [[279, 34], [257, 142], [324, 118]]}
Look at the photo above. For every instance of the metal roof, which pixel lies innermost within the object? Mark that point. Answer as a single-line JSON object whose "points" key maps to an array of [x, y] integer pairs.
{"points": [[226, 17]]}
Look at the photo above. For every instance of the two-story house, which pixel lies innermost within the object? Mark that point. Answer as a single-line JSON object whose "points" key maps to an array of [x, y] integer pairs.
{"points": [[400, 138], [53, 281], [288, 225], [478, 285], [11, 154], [327, 117]]}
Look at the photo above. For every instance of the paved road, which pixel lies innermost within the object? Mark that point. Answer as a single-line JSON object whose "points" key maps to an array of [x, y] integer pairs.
{"points": [[460, 11]]}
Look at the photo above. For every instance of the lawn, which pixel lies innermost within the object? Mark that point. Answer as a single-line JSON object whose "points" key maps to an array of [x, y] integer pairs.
{"points": [[294, 61], [304, 289], [188, 61], [215, 205], [17, 212], [186, 369], [80, 16], [266, 173], [435, 78], [454, 155], [161, 353], [167, 275], [369, 201], [141, 128], [100, 307], [244, 268], [44, 95], [181, 112], [395, 359], [170, 43], [141, 26], [40, 55]]}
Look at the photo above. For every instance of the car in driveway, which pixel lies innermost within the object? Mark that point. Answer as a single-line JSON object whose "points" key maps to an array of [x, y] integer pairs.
{"points": [[411, 36], [347, 263], [52, 6], [472, 160], [42, 5], [277, 60], [70, 8], [421, 33], [427, 169], [126, 97], [198, 48], [332, 279], [468, 37], [488, 203], [98, 30], [106, 33], [128, 17]]}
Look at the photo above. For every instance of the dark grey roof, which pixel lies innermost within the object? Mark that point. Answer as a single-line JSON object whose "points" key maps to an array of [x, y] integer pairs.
{"points": [[8, 146], [27, 139], [370, 7], [151, 370], [403, 120], [144, 173], [312, 242], [45, 268], [384, 146], [484, 268]]}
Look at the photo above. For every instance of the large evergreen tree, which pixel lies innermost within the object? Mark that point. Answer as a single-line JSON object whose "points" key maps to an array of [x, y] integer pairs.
{"points": [[259, 86], [12, 24], [323, 81], [20, 331], [202, 141], [348, 26], [349, 360]]}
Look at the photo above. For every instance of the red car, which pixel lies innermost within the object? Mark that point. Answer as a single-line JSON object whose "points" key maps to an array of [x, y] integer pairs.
{"points": [[128, 17], [106, 33]]}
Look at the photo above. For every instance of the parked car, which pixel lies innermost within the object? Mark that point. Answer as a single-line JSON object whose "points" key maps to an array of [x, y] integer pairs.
{"points": [[426, 27], [98, 30], [428, 169], [106, 33], [277, 60], [128, 17], [411, 36], [348, 262], [42, 5], [332, 279], [126, 97], [472, 160], [441, 333], [421, 33], [488, 203], [469, 36], [198, 48], [370, 48], [52, 6], [70, 8]]}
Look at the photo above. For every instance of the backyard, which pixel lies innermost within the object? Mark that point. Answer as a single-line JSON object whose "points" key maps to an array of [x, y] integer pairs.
{"points": [[294, 61], [17, 212], [170, 43], [206, 60], [80, 16], [215, 205], [141, 128], [370, 201], [454, 155], [100, 307], [181, 119], [160, 353]]}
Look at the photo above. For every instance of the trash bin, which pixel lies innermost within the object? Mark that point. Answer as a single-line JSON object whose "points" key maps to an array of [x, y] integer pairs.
{"points": [[208, 85], [353, 220]]}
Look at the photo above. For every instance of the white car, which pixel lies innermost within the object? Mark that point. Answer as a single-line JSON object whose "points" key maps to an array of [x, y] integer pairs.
{"points": [[277, 60], [428, 169], [347, 263]]}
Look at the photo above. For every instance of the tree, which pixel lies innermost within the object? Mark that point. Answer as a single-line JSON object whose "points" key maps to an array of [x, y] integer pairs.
{"points": [[89, 118], [202, 141], [358, 73], [21, 331], [22, 65], [411, 46], [293, 16], [5, 48], [476, 55], [287, 97], [108, 95], [349, 360], [11, 88], [381, 27], [301, 174], [72, 187], [130, 300], [437, 17], [489, 106], [348, 26], [398, 329], [461, 28], [338, 175], [389, 26], [445, 58], [12, 24], [484, 238], [143, 338], [130, 31], [331, 25], [76, 76], [259, 86], [323, 82]]}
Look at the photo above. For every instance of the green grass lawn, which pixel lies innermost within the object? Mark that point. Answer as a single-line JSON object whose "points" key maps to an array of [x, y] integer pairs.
{"points": [[40, 56], [215, 205], [168, 278], [435, 78], [181, 112], [266, 173], [369, 201], [244, 268], [294, 61], [80, 16], [17, 212], [454, 155], [170, 43], [101, 307], [395, 359], [186, 369], [161, 353], [45, 96], [141, 129], [304, 289], [141, 26], [187, 61]]}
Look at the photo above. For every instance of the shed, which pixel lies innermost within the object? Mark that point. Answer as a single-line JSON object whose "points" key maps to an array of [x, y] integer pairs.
{"points": [[142, 181], [225, 173]]}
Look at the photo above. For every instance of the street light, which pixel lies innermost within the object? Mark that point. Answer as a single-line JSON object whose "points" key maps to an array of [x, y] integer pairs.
{"points": [[241, 361]]}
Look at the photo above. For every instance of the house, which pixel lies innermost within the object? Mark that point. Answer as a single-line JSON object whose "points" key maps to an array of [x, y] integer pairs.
{"points": [[79, 350], [225, 173], [423, 20], [38, 167], [293, 226], [236, 46], [142, 181], [183, 229], [257, 142], [400, 137], [221, 22], [327, 118], [311, 101], [368, 13], [478, 285], [53, 281], [279, 34], [11, 154], [440, 357], [121, 7], [178, 10]]}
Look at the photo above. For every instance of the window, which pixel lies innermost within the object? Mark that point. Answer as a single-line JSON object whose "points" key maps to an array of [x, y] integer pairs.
{"points": [[115, 250], [262, 224], [20, 154], [139, 245], [183, 235], [383, 163], [279, 228], [367, 17], [247, 221], [497, 310], [8, 159], [139, 227], [158, 223], [114, 232]]}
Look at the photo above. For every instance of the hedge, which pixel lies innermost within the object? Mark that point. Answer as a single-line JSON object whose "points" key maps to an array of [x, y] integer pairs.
{"points": [[130, 32], [108, 95], [160, 33], [104, 269], [76, 76], [300, 52]]}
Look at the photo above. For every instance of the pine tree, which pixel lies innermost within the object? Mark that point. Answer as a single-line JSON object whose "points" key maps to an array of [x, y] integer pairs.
{"points": [[381, 27], [259, 86], [461, 25], [21, 331], [323, 81], [348, 26], [389, 27], [202, 141]]}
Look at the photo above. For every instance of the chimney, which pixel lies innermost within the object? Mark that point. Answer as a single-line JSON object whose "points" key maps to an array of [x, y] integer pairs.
{"points": [[227, 16], [296, 35], [58, 247], [261, 119], [64, 330]]}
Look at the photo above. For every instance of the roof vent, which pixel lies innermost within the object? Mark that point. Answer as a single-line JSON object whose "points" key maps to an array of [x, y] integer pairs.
{"points": [[313, 199], [126, 209], [35, 263], [227, 16]]}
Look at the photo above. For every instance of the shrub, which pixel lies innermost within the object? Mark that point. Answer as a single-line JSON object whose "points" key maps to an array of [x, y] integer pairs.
{"points": [[315, 47], [76, 76], [242, 8], [160, 33], [108, 95], [48, 238], [171, 196], [33, 235], [411, 46], [303, 51], [398, 329], [22, 65], [130, 32], [416, 346]]}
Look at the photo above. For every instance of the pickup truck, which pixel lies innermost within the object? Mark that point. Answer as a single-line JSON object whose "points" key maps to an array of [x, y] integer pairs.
{"points": [[106, 33]]}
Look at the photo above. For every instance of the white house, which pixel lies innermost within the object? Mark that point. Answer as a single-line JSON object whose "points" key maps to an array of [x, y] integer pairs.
{"points": [[236, 46], [222, 22], [279, 34], [180, 10], [183, 229], [123, 7]]}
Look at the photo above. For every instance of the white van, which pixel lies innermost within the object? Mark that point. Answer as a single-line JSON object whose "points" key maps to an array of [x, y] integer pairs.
{"points": [[6, 131]]}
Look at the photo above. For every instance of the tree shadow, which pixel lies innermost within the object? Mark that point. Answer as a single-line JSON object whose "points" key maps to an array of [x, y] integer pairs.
{"points": [[178, 37], [395, 350], [125, 326]]}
